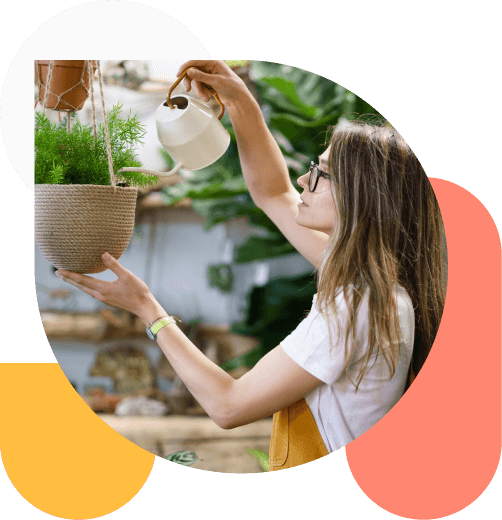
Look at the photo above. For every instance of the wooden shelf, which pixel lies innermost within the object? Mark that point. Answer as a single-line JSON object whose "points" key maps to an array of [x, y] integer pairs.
{"points": [[153, 200], [92, 326], [114, 325]]}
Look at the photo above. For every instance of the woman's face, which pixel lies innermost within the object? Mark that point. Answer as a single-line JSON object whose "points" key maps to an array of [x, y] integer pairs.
{"points": [[317, 211]]}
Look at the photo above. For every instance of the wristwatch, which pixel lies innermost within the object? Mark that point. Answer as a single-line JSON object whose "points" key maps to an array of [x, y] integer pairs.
{"points": [[158, 324]]}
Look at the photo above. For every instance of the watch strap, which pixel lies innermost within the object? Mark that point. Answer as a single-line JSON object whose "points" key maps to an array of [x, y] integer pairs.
{"points": [[161, 324]]}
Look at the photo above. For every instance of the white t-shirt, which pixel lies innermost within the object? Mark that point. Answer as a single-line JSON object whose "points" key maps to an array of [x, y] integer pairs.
{"points": [[341, 414]]}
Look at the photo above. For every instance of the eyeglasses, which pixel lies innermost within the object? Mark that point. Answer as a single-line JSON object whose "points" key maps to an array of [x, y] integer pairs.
{"points": [[314, 173]]}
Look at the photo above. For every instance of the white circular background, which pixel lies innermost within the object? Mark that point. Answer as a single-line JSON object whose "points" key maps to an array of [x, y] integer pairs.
{"points": [[97, 30]]}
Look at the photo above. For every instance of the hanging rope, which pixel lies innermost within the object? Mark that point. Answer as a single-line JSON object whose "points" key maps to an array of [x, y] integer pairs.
{"points": [[107, 135], [87, 68], [47, 86], [92, 100]]}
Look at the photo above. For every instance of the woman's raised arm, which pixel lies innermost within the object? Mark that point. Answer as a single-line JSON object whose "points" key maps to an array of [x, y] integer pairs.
{"points": [[263, 165]]}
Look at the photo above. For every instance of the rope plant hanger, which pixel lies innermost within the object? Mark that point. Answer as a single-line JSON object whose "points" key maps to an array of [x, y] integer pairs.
{"points": [[76, 223], [86, 68]]}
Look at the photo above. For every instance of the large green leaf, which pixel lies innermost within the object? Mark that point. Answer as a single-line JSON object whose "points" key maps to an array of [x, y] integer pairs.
{"points": [[311, 135], [259, 248], [275, 310], [216, 190], [286, 96], [290, 110], [221, 210], [317, 93], [259, 219]]}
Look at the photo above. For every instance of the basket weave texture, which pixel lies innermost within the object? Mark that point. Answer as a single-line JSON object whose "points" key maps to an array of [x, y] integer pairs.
{"points": [[76, 223]]}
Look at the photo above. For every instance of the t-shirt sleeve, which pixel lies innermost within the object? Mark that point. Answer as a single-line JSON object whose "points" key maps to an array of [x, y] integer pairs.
{"points": [[309, 345]]}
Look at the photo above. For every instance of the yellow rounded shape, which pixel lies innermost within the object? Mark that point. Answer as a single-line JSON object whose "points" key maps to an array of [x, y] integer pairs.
{"points": [[57, 452]]}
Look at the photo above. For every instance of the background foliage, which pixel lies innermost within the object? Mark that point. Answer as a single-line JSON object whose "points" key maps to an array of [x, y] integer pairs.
{"points": [[298, 107]]}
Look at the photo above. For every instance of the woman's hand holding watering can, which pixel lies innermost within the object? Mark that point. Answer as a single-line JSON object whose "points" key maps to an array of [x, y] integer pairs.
{"points": [[207, 77]]}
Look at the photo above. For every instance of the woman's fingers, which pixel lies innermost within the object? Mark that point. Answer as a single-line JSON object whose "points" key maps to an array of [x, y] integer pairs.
{"points": [[90, 285], [205, 64], [80, 280], [114, 265], [202, 76], [200, 89], [209, 77], [187, 83], [204, 85]]}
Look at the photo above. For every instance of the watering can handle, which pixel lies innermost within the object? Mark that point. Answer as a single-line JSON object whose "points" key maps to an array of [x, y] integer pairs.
{"points": [[175, 84]]}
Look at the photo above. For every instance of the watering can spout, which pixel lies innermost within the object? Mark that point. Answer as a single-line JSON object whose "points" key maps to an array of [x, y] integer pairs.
{"points": [[152, 172]]}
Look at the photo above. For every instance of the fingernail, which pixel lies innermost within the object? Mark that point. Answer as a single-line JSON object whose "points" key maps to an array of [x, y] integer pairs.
{"points": [[106, 256]]}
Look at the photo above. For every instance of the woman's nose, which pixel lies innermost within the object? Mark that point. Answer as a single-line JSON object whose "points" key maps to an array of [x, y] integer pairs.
{"points": [[303, 181]]}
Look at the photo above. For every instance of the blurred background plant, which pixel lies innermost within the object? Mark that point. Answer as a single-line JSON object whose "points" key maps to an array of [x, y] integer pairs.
{"points": [[187, 458], [261, 456]]}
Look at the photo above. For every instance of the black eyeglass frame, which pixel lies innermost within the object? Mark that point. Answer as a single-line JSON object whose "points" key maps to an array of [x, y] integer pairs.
{"points": [[320, 173]]}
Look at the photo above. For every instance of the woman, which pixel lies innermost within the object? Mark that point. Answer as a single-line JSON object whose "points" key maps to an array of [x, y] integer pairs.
{"points": [[369, 222]]}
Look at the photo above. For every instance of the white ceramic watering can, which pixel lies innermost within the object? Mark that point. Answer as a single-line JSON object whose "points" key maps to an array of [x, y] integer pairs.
{"points": [[188, 129]]}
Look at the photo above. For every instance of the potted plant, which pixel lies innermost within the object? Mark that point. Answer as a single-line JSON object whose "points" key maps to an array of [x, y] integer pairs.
{"points": [[83, 206], [65, 81]]}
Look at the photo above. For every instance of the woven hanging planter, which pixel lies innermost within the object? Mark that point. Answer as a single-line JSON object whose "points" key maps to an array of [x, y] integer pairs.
{"points": [[69, 84], [76, 223]]}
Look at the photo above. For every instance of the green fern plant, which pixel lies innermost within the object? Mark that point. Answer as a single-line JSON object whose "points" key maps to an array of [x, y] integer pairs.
{"points": [[77, 157], [56, 175]]}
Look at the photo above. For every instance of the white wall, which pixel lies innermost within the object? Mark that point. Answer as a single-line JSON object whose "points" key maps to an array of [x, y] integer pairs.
{"points": [[171, 252]]}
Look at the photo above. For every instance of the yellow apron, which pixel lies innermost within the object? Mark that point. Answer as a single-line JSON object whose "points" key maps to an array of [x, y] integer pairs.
{"points": [[296, 438]]}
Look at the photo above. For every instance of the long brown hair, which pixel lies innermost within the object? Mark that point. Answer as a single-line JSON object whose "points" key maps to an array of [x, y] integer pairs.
{"points": [[389, 231]]}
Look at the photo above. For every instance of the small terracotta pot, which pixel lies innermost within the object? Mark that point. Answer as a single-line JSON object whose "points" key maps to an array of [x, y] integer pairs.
{"points": [[66, 75]]}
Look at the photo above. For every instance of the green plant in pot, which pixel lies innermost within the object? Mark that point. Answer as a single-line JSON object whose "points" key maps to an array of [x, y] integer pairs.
{"points": [[83, 206]]}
